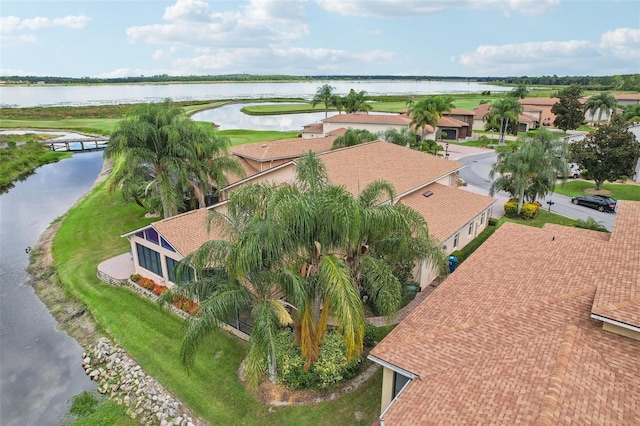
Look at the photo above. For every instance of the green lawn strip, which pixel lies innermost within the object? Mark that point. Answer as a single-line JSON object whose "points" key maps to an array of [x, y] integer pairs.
{"points": [[619, 191], [240, 137], [103, 126], [543, 217], [89, 234], [19, 161]]}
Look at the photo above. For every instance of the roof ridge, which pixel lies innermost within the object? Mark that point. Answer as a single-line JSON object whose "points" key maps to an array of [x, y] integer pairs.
{"points": [[552, 394], [608, 307]]}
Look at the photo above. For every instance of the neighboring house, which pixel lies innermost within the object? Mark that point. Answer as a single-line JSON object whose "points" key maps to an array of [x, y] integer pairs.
{"points": [[635, 129], [539, 109], [451, 213], [375, 123], [624, 99], [530, 119], [538, 326]]}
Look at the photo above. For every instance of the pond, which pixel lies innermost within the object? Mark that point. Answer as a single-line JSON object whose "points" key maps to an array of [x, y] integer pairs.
{"points": [[40, 368]]}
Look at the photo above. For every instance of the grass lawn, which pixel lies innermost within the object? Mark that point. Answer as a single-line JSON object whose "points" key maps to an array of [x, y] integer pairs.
{"points": [[619, 191], [239, 137], [20, 160], [543, 217], [89, 234], [103, 126]]}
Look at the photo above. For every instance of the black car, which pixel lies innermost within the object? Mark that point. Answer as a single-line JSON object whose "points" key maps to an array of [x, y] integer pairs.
{"points": [[600, 202]]}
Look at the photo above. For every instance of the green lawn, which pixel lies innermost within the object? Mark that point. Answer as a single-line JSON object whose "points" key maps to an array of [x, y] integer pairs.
{"points": [[543, 218], [619, 191], [103, 126], [20, 160], [90, 233], [239, 137]]}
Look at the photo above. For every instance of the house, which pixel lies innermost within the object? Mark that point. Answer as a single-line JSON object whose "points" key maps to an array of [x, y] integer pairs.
{"points": [[623, 99], [451, 213], [635, 129], [375, 123], [530, 119], [538, 326]]}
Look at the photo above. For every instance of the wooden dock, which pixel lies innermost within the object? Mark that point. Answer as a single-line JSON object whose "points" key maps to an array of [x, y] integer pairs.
{"points": [[84, 144]]}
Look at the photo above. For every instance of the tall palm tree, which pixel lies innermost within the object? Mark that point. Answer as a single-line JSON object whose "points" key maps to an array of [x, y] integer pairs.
{"points": [[325, 95], [315, 244], [604, 101], [428, 111], [504, 111], [353, 137], [356, 102], [530, 171], [160, 147]]}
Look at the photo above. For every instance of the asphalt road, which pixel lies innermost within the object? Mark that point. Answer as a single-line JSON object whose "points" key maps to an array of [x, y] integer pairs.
{"points": [[477, 175]]}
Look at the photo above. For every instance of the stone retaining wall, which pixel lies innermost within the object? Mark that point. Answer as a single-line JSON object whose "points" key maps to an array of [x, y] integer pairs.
{"points": [[124, 381]]}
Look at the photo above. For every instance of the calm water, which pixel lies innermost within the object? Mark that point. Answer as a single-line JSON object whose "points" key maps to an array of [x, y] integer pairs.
{"points": [[29, 96], [40, 367]]}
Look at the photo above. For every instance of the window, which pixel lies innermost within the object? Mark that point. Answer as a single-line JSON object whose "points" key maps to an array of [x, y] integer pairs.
{"points": [[140, 234], [399, 382], [455, 240], [471, 228], [482, 219], [152, 235], [164, 243], [149, 259], [171, 264]]}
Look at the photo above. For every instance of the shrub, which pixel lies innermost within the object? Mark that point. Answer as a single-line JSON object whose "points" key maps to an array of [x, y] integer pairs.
{"points": [[83, 404], [327, 372], [147, 283], [511, 208], [370, 333], [135, 278], [530, 210], [159, 289]]}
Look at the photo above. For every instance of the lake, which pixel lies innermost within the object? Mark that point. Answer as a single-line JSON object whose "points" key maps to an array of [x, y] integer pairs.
{"points": [[42, 95], [40, 367]]}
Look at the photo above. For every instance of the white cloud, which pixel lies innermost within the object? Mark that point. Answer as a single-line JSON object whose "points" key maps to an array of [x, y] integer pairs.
{"points": [[618, 49], [621, 43], [411, 8], [10, 24], [193, 23]]}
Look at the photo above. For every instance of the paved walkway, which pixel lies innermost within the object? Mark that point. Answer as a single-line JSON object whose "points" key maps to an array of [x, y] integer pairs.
{"points": [[119, 268]]}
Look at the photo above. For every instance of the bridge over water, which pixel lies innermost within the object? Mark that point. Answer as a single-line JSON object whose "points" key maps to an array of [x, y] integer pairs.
{"points": [[80, 144]]}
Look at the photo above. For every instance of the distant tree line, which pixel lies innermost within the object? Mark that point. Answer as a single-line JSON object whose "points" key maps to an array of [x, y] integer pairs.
{"points": [[629, 82]]}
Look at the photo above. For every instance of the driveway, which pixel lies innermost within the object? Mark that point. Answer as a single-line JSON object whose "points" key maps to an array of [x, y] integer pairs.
{"points": [[479, 162]]}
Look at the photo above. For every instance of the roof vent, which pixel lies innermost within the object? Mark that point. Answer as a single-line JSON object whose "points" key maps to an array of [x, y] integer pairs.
{"points": [[264, 145], [427, 193]]}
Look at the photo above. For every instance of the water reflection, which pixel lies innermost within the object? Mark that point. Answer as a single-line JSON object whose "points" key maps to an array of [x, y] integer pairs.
{"points": [[40, 368]]}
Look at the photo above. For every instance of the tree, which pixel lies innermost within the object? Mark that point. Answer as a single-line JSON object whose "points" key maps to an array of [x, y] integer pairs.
{"points": [[600, 103], [403, 137], [325, 95], [353, 137], [320, 247], [608, 153], [157, 143], [428, 111], [530, 171], [504, 111], [356, 102], [568, 110], [519, 92], [632, 113]]}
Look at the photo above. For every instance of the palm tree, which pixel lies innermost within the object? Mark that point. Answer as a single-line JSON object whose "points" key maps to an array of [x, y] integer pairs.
{"points": [[353, 137], [403, 137], [325, 95], [504, 111], [318, 246], [519, 92], [530, 171], [356, 102], [604, 101], [160, 148], [428, 111]]}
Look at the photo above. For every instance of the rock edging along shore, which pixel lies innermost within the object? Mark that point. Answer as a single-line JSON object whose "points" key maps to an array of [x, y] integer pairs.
{"points": [[124, 381]]}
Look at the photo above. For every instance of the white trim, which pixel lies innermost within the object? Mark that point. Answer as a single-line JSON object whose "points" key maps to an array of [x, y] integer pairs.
{"points": [[391, 367], [144, 228], [616, 323]]}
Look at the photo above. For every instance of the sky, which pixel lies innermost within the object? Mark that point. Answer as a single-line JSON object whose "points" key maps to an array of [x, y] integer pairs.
{"points": [[469, 38]]}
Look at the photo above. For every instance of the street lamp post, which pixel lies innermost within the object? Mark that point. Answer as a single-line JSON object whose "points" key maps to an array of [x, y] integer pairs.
{"points": [[446, 151]]}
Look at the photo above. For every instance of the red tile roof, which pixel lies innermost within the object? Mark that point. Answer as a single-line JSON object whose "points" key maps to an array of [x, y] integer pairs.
{"points": [[188, 231], [357, 166], [448, 209], [459, 111], [446, 121], [368, 119], [508, 338], [312, 128], [282, 149]]}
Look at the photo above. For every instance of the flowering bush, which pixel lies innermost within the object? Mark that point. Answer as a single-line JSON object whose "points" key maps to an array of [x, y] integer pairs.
{"points": [[147, 283], [159, 289], [185, 304]]}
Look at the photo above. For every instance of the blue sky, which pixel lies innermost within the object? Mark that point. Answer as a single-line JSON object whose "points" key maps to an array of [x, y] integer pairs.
{"points": [[319, 37]]}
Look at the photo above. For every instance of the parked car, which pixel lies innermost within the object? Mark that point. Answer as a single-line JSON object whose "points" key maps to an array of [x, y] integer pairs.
{"points": [[574, 171], [600, 202]]}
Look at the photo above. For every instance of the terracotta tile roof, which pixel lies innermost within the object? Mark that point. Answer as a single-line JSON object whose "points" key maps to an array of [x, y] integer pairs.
{"points": [[479, 111], [523, 118], [368, 119], [357, 166], [448, 209], [337, 132], [627, 96], [282, 149], [508, 338], [459, 111], [618, 295], [539, 101], [188, 231], [249, 170], [446, 121], [312, 128]]}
